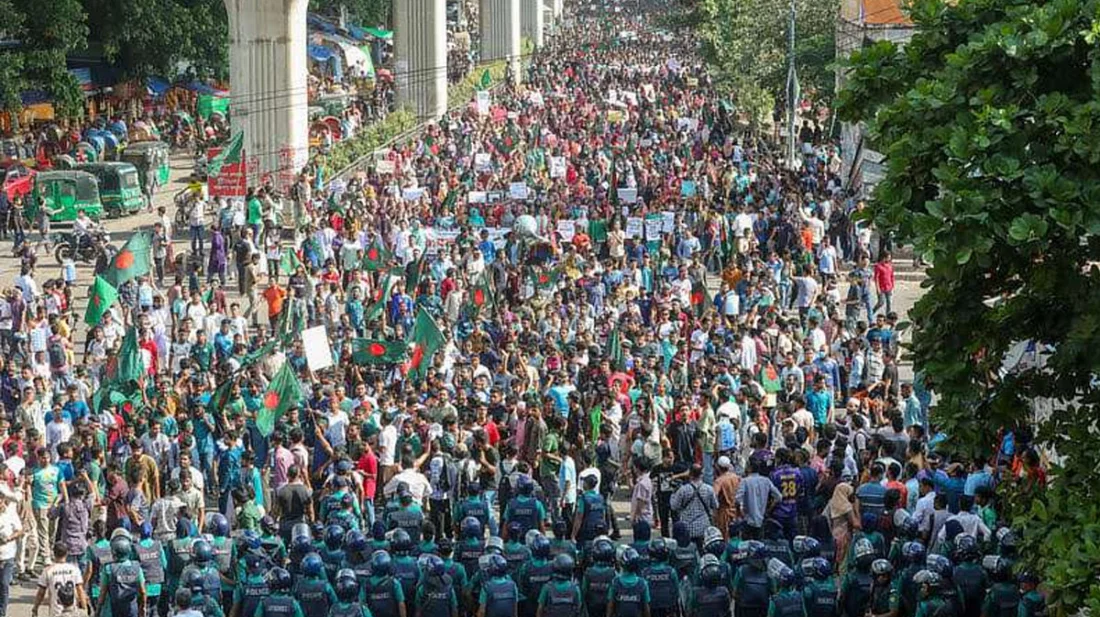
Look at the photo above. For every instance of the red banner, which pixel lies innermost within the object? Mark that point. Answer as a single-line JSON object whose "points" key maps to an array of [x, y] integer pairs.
{"points": [[231, 182]]}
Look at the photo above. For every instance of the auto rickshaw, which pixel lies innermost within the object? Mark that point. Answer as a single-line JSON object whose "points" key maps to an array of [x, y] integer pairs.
{"points": [[63, 193], [119, 187], [146, 156]]}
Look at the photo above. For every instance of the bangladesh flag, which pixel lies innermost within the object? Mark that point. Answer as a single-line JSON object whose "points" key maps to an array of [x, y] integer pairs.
{"points": [[289, 262], [486, 80], [425, 339], [481, 296], [127, 366], [381, 296], [220, 396], [547, 279], [615, 349], [368, 351], [100, 298], [413, 272], [376, 257], [283, 394], [131, 261], [229, 155]]}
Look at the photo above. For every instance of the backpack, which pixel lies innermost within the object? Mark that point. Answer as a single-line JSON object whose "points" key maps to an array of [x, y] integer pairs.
{"points": [[55, 352]]}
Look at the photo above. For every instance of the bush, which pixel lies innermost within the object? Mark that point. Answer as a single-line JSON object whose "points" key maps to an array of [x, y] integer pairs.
{"points": [[369, 139]]}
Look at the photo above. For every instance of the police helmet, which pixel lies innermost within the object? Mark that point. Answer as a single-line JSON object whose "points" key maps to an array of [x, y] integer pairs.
{"points": [[754, 549], [347, 586], [710, 572], [471, 528], [380, 563], [525, 485], [786, 576], [630, 560], [909, 525], [202, 551], [928, 578], [218, 525], [299, 530], [561, 529], [268, 524], [820, 568], [869, 521], [434, 565], [881, 567], [806, 546], [997, 566], [313, 565], [496, 565], [494, 543], [121, 547], [445, 546], [563, 566], [913, 551], [146, 530], [966, 547], [401, 541], [603, 551], [540, 546], [940, 565], [515, 530], [355, 541], [713, 542], [251, 539], [278, 579], [658, 550], [317, 530], [864, 551], [300, 546], [334, 537], [1006, 540], [378, 531]]}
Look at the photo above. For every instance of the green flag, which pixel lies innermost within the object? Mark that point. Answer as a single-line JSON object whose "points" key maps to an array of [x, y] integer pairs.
{"points": [[486, 80], [376, 257], [100, 298], [425, 339], [127, 366], [546, 279], [289, 262], [131, 261], [230, 154], [615, 349], [381, 296], [368, 351], [481, 296], [414, 275], [282, 394], [255, 356], [220, 396]]}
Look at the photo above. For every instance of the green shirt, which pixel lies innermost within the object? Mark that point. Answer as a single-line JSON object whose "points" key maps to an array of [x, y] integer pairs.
{"points": [[260, 608], [255, 212], [45, 486], [550, 445]]}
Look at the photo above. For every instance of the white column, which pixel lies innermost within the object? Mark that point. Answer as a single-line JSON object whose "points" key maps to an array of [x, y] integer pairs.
{"points": [[532, 21], [268, 84], [420, 51], [559, 9], [499, 22]]}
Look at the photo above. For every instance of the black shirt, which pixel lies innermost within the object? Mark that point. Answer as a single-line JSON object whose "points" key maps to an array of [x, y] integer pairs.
{"points": [[292, 500]]}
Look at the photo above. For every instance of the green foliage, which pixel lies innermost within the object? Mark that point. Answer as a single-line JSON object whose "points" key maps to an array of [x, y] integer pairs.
{"points": [[47, 31], [365, 13], [747, 43], [368, 140], [463, 92], [987, 119]]}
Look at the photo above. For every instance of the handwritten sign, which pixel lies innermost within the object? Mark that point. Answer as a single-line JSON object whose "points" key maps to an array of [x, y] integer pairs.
{"points": [[567, 229], [412, 194], [517, 190], [668, 222], [653, 224], [483, 162], [384, 167], [557, 167], [628, 196], [484, 99], [635, 227]]}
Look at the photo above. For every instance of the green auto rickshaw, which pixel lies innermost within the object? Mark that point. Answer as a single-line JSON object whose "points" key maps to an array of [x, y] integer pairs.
{"points": [[119, 187], [63, 194], [148, 156]]}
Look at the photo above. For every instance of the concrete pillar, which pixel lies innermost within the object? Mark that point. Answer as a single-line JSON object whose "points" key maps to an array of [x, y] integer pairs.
{"points": [[420, 56], [559, 9], [268, 85], [499, 22], [532, 21]]}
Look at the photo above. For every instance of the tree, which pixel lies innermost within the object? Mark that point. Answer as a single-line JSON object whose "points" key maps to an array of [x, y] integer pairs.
{"points": [[364, 13], [747, 42], [987, 119], [46, 31]]}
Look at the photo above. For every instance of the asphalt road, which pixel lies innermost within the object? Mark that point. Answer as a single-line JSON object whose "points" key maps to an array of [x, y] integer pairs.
{"points": [[906, 293]]}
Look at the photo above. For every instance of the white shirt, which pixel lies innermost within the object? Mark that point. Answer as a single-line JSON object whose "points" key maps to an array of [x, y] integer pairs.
{"points": [[971, 524], [568, 476], [9, 524], [924, 509], [54, 578], [337, 426], [418, 484], [387, 444]]}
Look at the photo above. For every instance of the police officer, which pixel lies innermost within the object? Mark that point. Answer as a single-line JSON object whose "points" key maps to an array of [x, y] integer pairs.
{"points": [[884, 594], [907, 529], [561, 597], [98, 554], [629, 594], [356, 557], [598, 576], [913, 553], [664, 592], [1003, 598], [408, 516], [804, 549], [332, 552], [404, 565], [516, 552], [710, 596], [471, 546], [153, 564], [534, 574], [590, 513], [561, 542], [179, 555], [1032, 603], [454, 570], [301, 544], [499, 595], [968, 575], [750, 584], [217, 534], [195, 582], [855, 590], [932, 603], [279, 603], [378, 541], [312, 589], [251, 588], [271, 542], [474, 505], [787, 601], [493, 546], [685, 555], [123, 582], [524, 512], [202, 563], [819, 593], [383, 593], [942, 566], [435, 594], [347, 596], [713, 544], [775, 543], [344, 514]]}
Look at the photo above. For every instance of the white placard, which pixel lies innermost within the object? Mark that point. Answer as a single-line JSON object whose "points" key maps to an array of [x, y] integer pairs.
{"points": [[483, 161], [635, 227], [385, 167], [628, 196], [653, 226], [557, 167], [517, 190], [412, 194], [536, 98], [476, 197], [318, 352], [567, 229], [483, 102], [668, 222]]}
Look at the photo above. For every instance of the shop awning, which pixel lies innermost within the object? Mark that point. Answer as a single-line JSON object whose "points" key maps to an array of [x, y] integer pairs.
{"points": [[156, 86], [319, 53]]}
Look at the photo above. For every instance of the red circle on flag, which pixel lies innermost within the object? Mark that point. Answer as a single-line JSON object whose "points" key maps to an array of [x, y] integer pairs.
{"points": [[271, 400], [543, 279], [479, 297], [124, 260], [372, 254], [377, 349], [417, 357]]}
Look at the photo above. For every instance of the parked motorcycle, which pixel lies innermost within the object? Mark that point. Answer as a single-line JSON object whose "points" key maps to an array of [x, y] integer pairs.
{"points": [[68, 247]]}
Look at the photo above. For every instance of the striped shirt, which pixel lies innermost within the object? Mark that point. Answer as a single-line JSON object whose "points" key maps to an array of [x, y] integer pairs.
{"points": [[695, 502]]}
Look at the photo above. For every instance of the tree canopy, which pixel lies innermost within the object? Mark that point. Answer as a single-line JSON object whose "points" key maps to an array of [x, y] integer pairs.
{"points": [[46, 32], [987, 121]]}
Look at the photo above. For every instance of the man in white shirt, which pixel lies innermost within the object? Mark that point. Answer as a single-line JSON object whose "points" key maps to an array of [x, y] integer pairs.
{"points": [[387, 447], [60, 586], [418, 483], [925, 505], [971, 523], [11, 529]]}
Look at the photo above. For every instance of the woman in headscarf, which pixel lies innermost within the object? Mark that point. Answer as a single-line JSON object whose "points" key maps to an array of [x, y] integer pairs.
{"points": [[842, 512]]}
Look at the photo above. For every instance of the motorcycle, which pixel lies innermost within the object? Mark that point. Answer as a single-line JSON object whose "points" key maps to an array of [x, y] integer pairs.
{"points": [[68, 247]]}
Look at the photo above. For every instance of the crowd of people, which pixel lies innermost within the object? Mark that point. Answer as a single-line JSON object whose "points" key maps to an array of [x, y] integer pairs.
{"points": [[599, 287]]}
